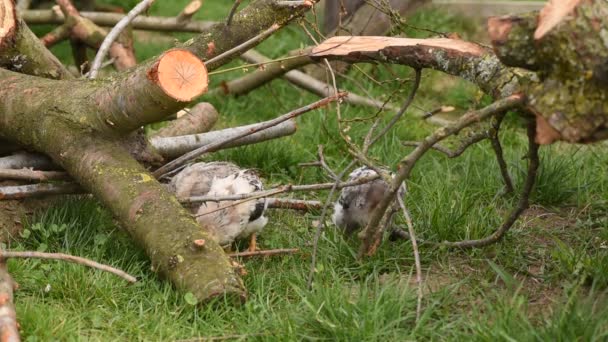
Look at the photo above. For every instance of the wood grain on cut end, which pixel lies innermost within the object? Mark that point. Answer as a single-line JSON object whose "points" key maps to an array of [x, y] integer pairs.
{"points": [[552, 14], [192, 8], [345, 45], [545, 133], [8, 20], [181, 75]]}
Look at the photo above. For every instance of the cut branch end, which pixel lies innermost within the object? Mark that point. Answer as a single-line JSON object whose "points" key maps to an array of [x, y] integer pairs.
{"points": [[180, 74]]}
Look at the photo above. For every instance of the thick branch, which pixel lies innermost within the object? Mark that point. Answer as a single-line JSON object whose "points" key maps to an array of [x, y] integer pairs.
{"points": [[22, 51], [455, 57], [172, 147], [198, 119]]}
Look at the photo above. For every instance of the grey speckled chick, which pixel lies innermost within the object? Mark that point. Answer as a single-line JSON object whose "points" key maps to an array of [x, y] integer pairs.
{"points": [[353, 209], [220, 179]]}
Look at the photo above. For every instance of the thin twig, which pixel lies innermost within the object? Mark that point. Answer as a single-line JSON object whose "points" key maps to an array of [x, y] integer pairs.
{"points": [[369, 235], [293, 204], [69, 258], [412, 236], [500, 158], [244, 46], [199, 152], [236, 5], [321, 225], [522, 204], [264, 253], [280, 190], [403, 109], [114, 33], [464, 144], [32, 175]]}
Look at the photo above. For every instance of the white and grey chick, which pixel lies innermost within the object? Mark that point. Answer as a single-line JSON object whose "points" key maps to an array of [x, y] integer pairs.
{"points": [[354, 207], [240, 221]]}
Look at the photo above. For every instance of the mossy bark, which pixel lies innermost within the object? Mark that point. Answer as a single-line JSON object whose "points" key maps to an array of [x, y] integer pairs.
{"points": [[24, 52], [571, 60]]}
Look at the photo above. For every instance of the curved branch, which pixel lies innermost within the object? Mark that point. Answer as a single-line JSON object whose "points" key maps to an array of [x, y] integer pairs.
{"points": [[370, 235], [522, 204]]}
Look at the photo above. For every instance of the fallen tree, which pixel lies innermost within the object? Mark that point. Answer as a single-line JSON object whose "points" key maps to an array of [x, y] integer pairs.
{"points": [[81, 132]]}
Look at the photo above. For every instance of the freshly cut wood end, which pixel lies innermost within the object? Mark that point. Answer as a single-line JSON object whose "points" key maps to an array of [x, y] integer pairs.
{"points": [[345, 45], [8, 22], [499, 28], [180, 74], [192, 8], [545, 133], [552, 14]]}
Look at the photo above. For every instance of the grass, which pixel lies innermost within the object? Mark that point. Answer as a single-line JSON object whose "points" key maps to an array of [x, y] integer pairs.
{"points": [[545, 281]]}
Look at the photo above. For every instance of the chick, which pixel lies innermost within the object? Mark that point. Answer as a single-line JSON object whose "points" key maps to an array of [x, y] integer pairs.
{"points": [[219, 179], [354, 207]]}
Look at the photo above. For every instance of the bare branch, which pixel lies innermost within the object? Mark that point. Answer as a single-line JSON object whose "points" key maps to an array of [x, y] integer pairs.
{"points": [[522, 204], [213, 147], [150, 23], [264, 253], [370, 235], [114, 33], [68, 258], [32, 175]]}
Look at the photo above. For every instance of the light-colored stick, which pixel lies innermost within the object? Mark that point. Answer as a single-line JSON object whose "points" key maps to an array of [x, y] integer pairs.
{"points": [[38, 190], [69, 258], [313, 85], [412, 236], [114, 33], [24, 160], [199, 152], [32, 175], [264, 253], [167, 24], [196, 120], [172, 147]]}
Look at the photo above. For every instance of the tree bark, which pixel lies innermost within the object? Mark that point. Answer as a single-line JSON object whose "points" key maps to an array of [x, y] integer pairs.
{"points": [[566, 44]]}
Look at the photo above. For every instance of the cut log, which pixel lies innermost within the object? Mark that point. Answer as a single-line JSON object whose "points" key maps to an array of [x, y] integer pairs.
{"points": [[180, 74]]}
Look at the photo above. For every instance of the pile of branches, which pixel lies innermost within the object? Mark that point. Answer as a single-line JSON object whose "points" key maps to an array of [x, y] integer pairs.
{"points": [[86, 132]]}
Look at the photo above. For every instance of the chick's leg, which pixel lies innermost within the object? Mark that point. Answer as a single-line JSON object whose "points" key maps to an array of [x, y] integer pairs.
{"points": [[252, 243]]}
